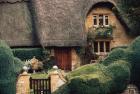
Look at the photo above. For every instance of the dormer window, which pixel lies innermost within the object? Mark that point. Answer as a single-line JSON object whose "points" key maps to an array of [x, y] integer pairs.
{"points": [[100, 20]]}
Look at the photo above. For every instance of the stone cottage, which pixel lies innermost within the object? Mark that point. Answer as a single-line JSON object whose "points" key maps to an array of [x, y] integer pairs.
{"points": [[62, 26]]}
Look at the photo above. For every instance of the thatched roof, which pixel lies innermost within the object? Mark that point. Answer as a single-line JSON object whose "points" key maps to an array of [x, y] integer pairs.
{"points": [[62, 22], [11, 1], [51, 22], [15, 24]]}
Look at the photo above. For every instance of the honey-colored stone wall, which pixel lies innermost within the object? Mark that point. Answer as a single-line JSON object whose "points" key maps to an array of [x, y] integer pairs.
{"points": [[23, 84], [120, 38], [75, 59]]}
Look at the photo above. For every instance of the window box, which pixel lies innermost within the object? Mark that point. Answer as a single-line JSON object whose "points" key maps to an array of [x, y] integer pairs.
{"points": [[100, 32]]}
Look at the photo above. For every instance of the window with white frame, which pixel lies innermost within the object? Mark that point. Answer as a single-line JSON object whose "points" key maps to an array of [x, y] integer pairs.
{"points": [[101, 46], [100, 20]]}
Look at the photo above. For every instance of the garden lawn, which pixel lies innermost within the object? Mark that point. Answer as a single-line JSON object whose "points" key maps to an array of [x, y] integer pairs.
{"points": [[39, 75]]}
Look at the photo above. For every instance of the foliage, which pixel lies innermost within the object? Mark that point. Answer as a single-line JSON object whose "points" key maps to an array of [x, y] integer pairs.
{"points": [[86, 54], [28, 53], [129, 10], [115, 55], [100, 79], [49, 63], [103, 32], [134, 59], [119, 47], [120, 74], [62, 90], [9, 68]]}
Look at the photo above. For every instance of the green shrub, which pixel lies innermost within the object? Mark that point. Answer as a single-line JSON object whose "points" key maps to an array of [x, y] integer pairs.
{"points": [[115, 55], [9, 68], [100, 79], [134, 59], [62, 90], [92, 83], [129, 10], [86, 69], [28, 53], [119, 71], [124, 47], [19, 65]]}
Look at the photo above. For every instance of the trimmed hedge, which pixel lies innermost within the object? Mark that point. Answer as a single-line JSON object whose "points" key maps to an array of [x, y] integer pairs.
{"points": [[116, 54], [100, 79], [9, 68], [134, 59], [120, 74], [28, 53]]}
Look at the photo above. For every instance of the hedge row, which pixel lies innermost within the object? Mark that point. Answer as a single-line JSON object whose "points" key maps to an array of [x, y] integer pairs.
{"points": [[28, 53]]}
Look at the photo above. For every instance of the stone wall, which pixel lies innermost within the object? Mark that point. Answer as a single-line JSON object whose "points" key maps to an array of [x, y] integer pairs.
{"points": [[75, 59], [23, 84]]}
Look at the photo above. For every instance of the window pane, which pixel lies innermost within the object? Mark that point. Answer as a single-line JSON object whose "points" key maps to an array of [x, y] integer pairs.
{"points": [[107, 46], [106, 20], [101, 46], [101, 20], [95, 46], [94, 20]]}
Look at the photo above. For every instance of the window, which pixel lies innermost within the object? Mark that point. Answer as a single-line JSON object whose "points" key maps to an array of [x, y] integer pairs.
{"points": [[95, 20], [106, 20], [102, 46], [100, 20], [95, 46]]}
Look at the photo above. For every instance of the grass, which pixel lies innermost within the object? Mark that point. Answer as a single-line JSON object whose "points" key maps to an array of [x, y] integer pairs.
{"points": [[39, 75]]}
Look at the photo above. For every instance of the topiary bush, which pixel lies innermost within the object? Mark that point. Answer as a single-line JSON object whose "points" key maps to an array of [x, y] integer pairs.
{"points": [[9, 68], [134, 59], [100, 79], [115, 55], [119, 71]]}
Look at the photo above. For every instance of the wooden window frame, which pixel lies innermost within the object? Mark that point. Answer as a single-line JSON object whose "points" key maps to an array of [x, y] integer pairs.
{"points": [[97, 17], [95, 25], [104, 47]]}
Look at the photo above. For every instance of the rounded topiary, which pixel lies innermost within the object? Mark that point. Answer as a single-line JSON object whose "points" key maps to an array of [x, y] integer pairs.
{"points": [[134, 60], [119, 71], [9, 68], [90, 79], [115, 55]]}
